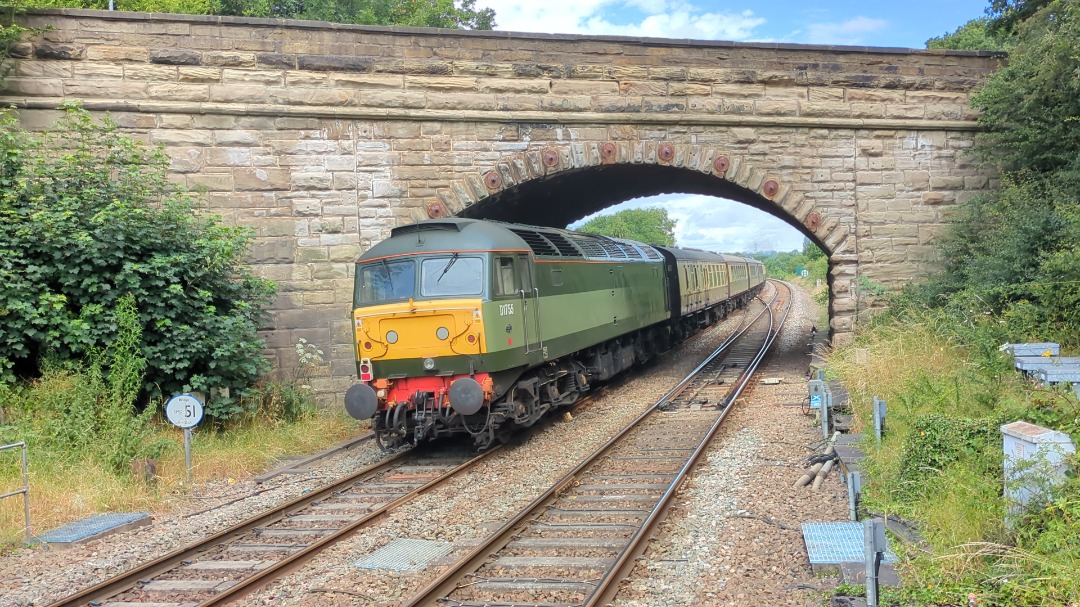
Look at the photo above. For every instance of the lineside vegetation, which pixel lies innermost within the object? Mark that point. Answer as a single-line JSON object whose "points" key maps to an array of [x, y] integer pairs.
{"points": [[116, 293], [1011, 275]]}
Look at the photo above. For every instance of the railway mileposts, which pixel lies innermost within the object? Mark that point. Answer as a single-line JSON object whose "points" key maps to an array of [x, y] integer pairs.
{"points": [[185, 411]]}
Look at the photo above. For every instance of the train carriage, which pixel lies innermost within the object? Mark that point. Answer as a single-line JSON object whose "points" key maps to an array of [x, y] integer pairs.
{"points": [[476, 327]]}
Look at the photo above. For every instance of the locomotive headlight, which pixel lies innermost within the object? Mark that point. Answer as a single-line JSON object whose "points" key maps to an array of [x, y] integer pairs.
{"points": [[429, 364], [391, 337], [442, 333], [380, 393]]}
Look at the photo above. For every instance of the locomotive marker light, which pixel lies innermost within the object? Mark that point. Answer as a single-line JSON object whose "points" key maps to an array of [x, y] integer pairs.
{"points": [[185, 411]]}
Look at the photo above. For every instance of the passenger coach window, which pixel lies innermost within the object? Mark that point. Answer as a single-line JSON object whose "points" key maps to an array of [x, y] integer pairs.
{"points": [[504, 279], [453, 275], [385, 281]]}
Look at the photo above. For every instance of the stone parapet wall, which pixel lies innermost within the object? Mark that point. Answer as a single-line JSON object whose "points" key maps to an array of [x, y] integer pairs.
{"points": [[323, 137]]}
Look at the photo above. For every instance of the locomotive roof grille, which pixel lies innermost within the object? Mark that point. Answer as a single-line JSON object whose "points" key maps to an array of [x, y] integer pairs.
{"points": [[590, 246], [565, 247], [537, 242], [612, 248], [631, 250]]}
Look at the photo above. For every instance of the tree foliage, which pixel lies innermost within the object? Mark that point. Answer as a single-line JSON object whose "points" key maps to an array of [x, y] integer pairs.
{"points": [[1031, 108], [414, 13], [1007, 15], [87, 216], [975, 35], [1014, 251], [791, 264], [651, 226]]}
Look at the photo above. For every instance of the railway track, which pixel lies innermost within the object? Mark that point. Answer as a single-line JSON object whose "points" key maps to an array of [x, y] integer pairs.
{"points": [[574, 544], [237, 561], [243, 558]]}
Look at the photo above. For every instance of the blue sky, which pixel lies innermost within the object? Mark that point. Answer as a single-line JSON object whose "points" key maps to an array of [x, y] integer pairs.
{"points": [[869, 22], [711, 223]]}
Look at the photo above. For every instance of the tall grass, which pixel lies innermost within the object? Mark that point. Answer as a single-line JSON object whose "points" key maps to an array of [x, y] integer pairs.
{"points": [[65, 488], [84, 434], [939, 464]]}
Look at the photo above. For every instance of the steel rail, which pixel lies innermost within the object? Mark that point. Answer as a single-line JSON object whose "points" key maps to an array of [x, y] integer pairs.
{"points": [[295, 561], [608, 585], [447, 582], [130, 579], [133, 577]]}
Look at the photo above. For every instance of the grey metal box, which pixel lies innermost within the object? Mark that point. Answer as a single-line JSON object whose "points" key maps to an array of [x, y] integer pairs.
{"points": [[1034, 462]]}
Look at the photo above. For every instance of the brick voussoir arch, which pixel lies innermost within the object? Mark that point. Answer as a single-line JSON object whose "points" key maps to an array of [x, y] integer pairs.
{"points": [[518, 168]]}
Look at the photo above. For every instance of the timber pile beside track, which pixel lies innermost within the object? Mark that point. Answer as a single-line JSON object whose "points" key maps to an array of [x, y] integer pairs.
{"points": [[575, 543]]}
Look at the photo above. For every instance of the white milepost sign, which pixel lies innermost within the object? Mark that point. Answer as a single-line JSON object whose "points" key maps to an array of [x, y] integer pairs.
{"points": [[184, 410]]}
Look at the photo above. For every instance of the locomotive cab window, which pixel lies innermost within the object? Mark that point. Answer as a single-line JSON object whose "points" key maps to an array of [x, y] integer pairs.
{"points": [[451, 276], [505, 277], [383, 281]]}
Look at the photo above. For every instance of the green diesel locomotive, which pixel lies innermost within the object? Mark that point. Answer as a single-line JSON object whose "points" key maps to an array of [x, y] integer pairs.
{"points": [[471, 327]]}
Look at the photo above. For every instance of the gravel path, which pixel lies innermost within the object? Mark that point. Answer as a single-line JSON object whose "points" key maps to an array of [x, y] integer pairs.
{"points": [[731, 540], [735, 536]]}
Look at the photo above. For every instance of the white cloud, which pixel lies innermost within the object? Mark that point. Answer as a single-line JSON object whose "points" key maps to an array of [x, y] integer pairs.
{"points": [[683, 23], [716, 224], [549, 16], [646, 18], [852, 31]]}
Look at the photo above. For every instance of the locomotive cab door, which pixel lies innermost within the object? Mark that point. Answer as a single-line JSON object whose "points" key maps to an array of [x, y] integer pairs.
{"points": [[530, 305]]}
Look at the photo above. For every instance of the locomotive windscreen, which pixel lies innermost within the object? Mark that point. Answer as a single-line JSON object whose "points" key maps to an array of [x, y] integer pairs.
{"points": [[383, 281]]}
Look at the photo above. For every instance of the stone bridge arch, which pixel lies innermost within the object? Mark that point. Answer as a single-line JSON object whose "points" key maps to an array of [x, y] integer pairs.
{"points": [[565, 173], [323, 137]]}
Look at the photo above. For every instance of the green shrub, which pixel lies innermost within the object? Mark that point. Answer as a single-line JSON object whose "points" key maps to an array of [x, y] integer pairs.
{"points": [[87, 216], [75, 412], [936, 441]]}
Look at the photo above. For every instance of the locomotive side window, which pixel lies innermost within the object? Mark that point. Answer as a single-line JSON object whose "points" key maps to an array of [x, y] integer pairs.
{"points": [[505, 284], [450, 276], [385, 281]]}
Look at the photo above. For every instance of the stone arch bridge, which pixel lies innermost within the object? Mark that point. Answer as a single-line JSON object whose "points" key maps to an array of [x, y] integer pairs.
{"points": [[323, 137]]}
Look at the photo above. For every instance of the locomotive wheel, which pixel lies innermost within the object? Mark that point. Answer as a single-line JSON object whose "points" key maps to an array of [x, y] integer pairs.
{"points": [[387, 441]]}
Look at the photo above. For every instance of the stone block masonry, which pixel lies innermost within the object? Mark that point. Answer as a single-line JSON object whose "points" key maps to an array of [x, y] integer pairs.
{"points": [[324, 137]]}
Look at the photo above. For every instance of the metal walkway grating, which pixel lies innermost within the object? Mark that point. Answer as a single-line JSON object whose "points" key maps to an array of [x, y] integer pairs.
{"points": [[835, 543], [89, 527], [405, 555]]}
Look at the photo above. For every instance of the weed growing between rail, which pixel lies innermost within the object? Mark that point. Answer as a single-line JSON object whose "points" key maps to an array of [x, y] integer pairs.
{"points": [[940, 464]]}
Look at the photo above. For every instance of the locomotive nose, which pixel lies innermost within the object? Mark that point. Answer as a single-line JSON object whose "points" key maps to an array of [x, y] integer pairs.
{"points": [[466, 396], [361, 401]]}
